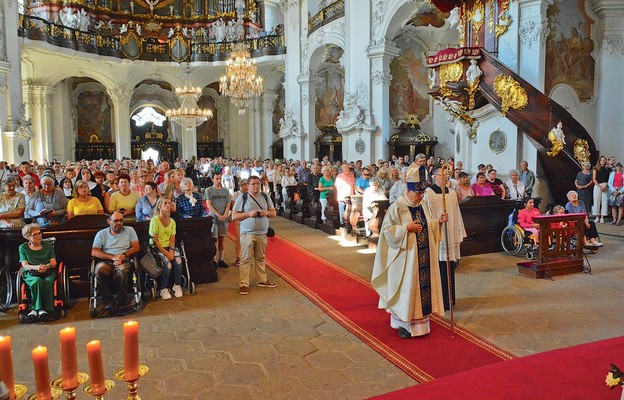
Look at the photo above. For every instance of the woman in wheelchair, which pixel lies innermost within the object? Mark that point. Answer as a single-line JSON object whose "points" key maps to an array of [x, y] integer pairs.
{"points": [[162, 231], [525, 218], [576, 206], [39, 272]]}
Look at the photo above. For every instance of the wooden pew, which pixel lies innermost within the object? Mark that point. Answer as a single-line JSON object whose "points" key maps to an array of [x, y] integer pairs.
{"points": [[379, 212], [484, 219], [74, 240]]}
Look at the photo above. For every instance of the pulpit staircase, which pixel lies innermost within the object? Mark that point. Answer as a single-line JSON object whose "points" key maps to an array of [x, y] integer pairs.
{"points": [[540, 115]]}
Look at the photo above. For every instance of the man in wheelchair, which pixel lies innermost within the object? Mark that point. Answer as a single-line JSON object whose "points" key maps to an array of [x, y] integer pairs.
{"points": [[114, 248]]}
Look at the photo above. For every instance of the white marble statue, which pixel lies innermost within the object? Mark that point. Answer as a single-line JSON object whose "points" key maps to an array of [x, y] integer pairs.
{"points": [[123, 29], [239, 5], [219, 30], [453, 20], [352, 114], [474, 72], [84, 21], [230, 31], [170, 33]]}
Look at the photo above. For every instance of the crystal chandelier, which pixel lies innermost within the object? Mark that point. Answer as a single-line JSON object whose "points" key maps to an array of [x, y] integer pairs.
{"points": [[240, 81], [189, 115]]}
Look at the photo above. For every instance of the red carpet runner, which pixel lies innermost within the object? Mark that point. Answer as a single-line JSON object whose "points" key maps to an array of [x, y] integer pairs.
{"points": [[572, 373], [352, 302]]}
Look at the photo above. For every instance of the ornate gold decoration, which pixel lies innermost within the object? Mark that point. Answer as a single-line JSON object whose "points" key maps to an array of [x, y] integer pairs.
{"points": [[477, 17], [491, 21], [421, 137], [511, 93], [189, 115], [94, 139], [504, 19], [472, 89], [240, 82], [581, 150], [449, 73], [463, 24], [179, 46], [412, 121], [130, 43], [557, 139]]}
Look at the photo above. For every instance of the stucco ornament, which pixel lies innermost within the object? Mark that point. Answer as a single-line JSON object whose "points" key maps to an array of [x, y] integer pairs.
{"points": [[453, 20], [355, 117], [24, 125], [288, 125]]}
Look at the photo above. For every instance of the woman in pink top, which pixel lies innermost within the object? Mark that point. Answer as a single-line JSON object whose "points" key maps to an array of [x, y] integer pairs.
{"points": [[480, 188], [463, 189], [616, 194], [525, 218]]}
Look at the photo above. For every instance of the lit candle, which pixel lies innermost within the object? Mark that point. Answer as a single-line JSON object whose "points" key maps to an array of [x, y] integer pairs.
{"points": [[96, 369], [69, 359], [6, 365], [42, 373], [131, 350]]}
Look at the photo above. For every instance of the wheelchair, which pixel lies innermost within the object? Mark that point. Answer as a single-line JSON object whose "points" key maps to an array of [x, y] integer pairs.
{"points": [[151, 284], [514, 238], [60, 291], [134, 291], [6, 289]]}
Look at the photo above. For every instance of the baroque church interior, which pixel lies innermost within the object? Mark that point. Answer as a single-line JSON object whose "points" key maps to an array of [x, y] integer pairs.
{"points": [[482, 81]]}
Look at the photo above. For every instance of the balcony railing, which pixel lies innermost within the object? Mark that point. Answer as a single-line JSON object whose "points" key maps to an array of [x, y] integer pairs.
{"points": [[328, 14], [149, 48]]}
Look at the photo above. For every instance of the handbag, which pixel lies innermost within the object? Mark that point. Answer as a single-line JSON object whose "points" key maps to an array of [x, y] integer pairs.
{"points": [[150, 265], [270, 232]]}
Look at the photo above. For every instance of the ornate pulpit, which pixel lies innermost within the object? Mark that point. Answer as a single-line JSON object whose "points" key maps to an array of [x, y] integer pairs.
{"points": [[411, 141]]}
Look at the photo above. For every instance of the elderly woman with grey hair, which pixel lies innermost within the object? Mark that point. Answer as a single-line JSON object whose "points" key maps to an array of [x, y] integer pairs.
{"points": [[576, 206], [38, 272], [189, 203], [29, 188], [515, 187], [48, 205], [12, 205]]}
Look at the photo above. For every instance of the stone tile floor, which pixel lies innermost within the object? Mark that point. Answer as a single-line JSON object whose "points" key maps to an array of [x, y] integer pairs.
{"points": [[275, 344]]}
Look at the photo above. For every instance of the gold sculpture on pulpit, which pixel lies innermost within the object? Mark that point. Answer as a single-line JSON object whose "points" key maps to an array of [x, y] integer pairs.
{"points": [[94, 139], [557, 139], [449, 73], [581, 151], [511, 93]]}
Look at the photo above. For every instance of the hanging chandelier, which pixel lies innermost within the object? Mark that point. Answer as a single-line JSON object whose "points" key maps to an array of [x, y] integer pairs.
{"points": [[189, 115], [240, 82]]}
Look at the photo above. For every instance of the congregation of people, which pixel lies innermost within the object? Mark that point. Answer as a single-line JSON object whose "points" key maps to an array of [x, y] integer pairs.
{"points": [[247, 192]]}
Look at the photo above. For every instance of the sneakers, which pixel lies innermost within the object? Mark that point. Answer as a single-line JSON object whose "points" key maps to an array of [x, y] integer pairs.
{"points": [[268, 284], [222, 264], [602, 220], [244, 290], [597, 220], [164, 294], [177, 291], [597, 244]]}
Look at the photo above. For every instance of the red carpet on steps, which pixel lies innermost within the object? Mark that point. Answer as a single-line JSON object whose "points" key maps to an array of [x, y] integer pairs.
{"points": [[352, 302], [577, 373]]}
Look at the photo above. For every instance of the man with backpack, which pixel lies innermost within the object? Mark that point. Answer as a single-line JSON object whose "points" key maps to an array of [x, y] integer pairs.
{"points": [[253, 209]]}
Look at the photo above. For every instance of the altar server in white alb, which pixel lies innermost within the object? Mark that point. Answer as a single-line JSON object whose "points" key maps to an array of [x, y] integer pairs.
{"points": [[406, 273], [455, 231]]}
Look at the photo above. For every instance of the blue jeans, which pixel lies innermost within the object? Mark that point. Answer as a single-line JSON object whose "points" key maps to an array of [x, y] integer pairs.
{"points": [[175, 265], [341, 209]]}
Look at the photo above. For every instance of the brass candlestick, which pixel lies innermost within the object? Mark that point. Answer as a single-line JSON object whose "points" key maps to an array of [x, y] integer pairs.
{"points": [[70, 392], [20, 390], [108, 385], [56, 393], [133, 393]]}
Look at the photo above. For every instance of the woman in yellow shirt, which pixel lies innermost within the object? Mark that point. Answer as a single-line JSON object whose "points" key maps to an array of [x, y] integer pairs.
{"points": [[82, 202], [162, 231]]}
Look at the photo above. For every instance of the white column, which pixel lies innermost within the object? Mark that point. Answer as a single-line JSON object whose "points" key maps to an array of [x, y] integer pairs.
{"points": [[255, 127], [10, 72], [268, 105], [295, 35], [188, 143], [611, 58], [533, 31], [358, 76], [38, 110], [121, 96], [308, 84], [380, 57]]}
